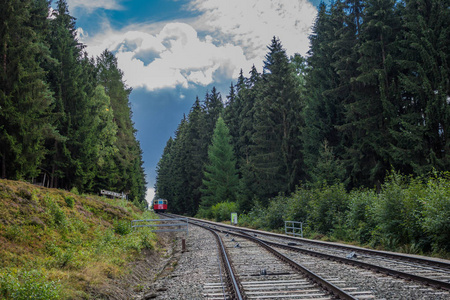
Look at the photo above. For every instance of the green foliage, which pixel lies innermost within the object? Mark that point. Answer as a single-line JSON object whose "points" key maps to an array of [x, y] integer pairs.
{"points": [[59, 219], [222, 211], [21, 285], [360, 219], [70, 201], [220, 176], [13, 233], [122, 227], [78, 246], [408, 214], [436, 212], [64, 118], [275, 153], [147, 239], [328, 207]]}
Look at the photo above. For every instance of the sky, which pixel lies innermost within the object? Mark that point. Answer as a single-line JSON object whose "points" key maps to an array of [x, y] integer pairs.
{"points": [[171, 51]]}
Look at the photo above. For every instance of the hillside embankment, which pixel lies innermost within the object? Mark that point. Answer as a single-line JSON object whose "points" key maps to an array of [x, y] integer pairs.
{"points": [[60, 245]]}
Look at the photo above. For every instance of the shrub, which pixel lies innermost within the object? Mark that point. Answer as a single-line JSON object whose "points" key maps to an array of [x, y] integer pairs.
{"points": [[74, 190], [222, 211], [122, 227], [205, 213], [70, 201], [146, 238], [13, 233], [328, 206], [58, 217], [436, 213], [28, 285], [397, 212], [360, 221]]}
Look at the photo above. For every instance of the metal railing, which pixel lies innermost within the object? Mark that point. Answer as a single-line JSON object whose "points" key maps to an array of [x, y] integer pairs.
{"points": [[168, 223], [296, 230]]}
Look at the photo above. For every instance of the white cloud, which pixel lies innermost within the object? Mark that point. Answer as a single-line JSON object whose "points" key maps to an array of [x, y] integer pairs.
{"points": [[150, 195], [174, 56], [91, 5], [228, 35], [252, 23]]}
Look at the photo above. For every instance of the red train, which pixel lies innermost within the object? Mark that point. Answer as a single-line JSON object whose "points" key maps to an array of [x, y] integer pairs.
{"points": [[159, 205]]}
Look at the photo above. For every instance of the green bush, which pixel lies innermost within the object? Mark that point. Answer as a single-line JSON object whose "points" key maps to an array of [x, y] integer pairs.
{"points": [[122, 227], [58, 217], [70, 201], [360, 221], [204, 213], [13, 233], [28, 285], [222, 211], [408, 214], [328, 206], [146, 239], [436, 212]]}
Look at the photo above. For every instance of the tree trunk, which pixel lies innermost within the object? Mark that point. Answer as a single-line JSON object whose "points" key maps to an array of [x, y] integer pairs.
{"points": [[3, 163]]}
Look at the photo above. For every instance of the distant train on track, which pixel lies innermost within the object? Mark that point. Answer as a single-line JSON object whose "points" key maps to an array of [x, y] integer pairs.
{"points": [[160, 205]]}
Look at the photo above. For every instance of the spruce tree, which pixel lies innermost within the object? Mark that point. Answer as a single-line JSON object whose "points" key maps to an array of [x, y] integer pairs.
{"points": [[163, 184], [25, 98], [422, 135], [196, 155], [371, 112], [127, 174], [276, 153], [220, 175], [323, 110]]}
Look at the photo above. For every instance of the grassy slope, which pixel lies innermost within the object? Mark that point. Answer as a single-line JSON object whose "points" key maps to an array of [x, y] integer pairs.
{"points": [[59, 244]]}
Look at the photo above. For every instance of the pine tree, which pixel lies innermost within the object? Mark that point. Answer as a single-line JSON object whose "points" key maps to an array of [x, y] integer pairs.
{"points": [[349, 15], [127, 175], [422, 135], [163, 185], [25, 98], [372, 109], [220, 175], [180, 184], [323, 110], [231, 115], [196, 155], [70, 158], [275, 154], [212, 107]]}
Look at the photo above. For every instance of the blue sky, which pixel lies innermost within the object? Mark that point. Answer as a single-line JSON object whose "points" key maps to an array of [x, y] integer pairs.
{"points": [[174, 50]]}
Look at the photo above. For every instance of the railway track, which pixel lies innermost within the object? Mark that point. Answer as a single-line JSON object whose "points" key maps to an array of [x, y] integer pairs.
{"points": [[255, 270], [429, 279]]}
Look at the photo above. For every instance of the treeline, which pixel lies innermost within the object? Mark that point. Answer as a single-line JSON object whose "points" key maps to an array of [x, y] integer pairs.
{"points": [[65, 118], [372, 95]]}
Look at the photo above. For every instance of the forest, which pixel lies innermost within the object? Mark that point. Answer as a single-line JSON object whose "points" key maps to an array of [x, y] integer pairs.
{"points": [[366, 111], [65, 118]]}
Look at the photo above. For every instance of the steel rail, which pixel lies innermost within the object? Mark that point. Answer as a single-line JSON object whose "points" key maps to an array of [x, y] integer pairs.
{"points": [[233, 285], [421, 260], [379, 269], [331, 288], [407, 276]]}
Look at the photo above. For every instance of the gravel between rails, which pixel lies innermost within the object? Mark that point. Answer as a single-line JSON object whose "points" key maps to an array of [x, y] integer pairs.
{"points": [[187, 274], [194, 274], [382, 286]]}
